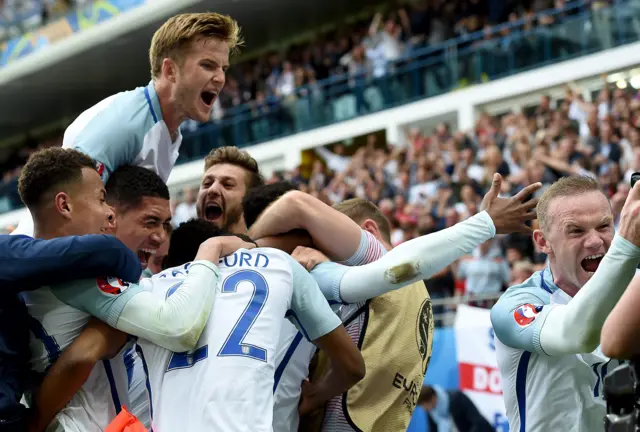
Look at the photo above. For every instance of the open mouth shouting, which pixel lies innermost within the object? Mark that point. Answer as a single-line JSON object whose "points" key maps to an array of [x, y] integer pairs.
{"points": [[144, 255], [213, 211], [208, 98], [590, 264]]}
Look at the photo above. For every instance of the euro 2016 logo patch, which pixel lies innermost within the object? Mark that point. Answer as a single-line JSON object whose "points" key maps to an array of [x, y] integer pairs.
{"points": [[526, 314], [112, 285], [424, 333]]}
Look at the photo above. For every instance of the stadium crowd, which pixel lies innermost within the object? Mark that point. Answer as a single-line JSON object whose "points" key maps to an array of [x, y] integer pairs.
{"points": [[439, 178], [431, 182], [20, 16], [371, 47]]}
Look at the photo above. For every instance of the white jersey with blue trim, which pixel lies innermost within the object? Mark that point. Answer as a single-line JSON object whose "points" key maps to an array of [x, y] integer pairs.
{"points": [[295, 353], [137, 379], [544, 393], [292, 359], [54, 325], [227, 382], [124, 129]]}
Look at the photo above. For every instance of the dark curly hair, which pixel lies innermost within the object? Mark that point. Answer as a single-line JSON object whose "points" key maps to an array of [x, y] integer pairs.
{"points": [[257, 199], [49, 170], [129, 184], [187, 238]]}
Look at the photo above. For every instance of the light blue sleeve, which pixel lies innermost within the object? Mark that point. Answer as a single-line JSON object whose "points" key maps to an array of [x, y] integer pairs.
{"points": [[328, 275], [110, 150], [310, 311], [517, 318], [111, 138], [104, 298]]}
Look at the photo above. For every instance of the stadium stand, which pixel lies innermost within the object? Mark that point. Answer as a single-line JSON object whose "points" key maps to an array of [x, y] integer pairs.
{"points": [[440, 178], [395, 58], [20, 16], [436, 174]]}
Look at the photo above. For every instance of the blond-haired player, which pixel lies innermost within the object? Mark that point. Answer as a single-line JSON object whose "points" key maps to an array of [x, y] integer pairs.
{"points": [[189, 57], [548, 327]]}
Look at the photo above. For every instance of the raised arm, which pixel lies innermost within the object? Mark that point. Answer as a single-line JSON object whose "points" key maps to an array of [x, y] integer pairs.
{"points": [[575, 327], [621, 331], [174, 323], [332, 232], [98, 341], [424, 256], [407, 263], [32, 263]]}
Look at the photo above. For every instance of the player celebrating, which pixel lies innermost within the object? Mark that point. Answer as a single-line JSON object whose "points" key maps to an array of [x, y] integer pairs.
{"points": [[66, 195], [548, 328], [370, 306], [237, 350], [230, 173], [189, 56]]}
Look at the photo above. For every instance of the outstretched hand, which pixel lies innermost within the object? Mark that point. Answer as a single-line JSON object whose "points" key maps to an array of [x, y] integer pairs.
{"points": [[509, 215]]}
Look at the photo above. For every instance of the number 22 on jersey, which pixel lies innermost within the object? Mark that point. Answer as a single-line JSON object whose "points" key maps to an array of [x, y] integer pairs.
{"points": [[234, 344]]}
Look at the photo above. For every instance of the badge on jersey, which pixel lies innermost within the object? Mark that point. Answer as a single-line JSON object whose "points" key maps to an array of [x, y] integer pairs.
{"points": [[526, 314], [100, 168], [112, 285]]}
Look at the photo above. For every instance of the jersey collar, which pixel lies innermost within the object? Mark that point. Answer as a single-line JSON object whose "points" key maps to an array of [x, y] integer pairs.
{"points": [[546, 281], [153, 102]]}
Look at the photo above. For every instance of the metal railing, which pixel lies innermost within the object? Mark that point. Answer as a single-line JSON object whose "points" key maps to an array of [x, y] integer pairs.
{"points": [[507, 49], [445, 309]]}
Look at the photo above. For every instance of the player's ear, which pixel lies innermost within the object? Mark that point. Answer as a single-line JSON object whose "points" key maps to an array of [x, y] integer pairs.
{"points": [[371, 226], [170, 69], [63, 204], [541, 242]]}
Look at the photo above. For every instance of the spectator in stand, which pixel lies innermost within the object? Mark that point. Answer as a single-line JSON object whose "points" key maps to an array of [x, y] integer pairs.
{"points": [[485, 272], [450, 410], [186, 209]]}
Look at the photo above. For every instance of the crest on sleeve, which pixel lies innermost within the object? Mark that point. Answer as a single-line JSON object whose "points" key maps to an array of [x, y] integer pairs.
{"points": [[100, 168], [526, 314], [112, 285]]}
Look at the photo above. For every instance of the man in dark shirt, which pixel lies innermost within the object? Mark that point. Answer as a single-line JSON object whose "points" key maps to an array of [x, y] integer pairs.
{"points": [[446, 408], [27, 264]]}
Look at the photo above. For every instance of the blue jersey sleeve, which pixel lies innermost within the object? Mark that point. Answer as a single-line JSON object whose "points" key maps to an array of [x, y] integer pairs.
{"points": [[517, 318], [29, 263], [328, 276], [310, 311], [104, 298]]}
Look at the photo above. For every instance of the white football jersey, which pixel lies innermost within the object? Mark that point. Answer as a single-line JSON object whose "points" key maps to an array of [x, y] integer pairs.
{"points": [[226, 384], [295, 352], [541, 392], [124, 129], [54, 325]]}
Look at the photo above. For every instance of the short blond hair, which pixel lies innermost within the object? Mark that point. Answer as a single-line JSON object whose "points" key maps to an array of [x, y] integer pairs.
{"points": [[360, 209], [565, 187], [176, 35], [233, 156]]}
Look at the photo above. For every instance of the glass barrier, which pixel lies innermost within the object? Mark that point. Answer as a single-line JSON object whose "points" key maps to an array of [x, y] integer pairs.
{"points": [[504, 50]]}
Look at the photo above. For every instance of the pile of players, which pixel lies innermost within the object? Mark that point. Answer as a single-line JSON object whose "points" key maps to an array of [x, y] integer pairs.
{"points": [[272, 310]]}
